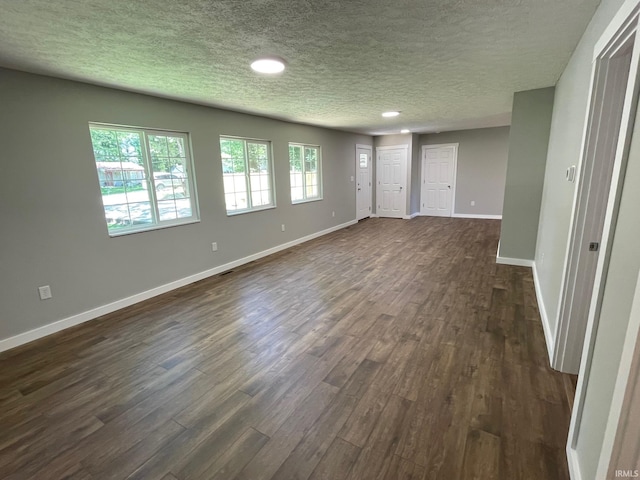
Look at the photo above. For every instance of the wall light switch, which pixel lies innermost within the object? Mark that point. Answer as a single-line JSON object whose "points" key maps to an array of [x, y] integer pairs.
{"points": [[283, 227], [214, 247], [45, 292], [352, 178], [473, 203]]}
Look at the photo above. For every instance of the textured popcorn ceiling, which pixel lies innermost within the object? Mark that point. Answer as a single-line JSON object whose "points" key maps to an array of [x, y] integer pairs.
{"points": [[445, 64]]}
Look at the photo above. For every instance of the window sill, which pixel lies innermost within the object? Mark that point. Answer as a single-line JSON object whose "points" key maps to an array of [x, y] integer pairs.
{"points": [[233, 213], [149, 228], [298, 202]]}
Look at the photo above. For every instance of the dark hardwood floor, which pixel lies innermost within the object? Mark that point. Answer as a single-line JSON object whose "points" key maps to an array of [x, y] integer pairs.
{"points": [[388, 350]]}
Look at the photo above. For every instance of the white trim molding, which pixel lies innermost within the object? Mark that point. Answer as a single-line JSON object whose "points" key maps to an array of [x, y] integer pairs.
{"points": [[36, 333], [548, 333], [413, 215], [517, 262], [476, 215], [574, 467]]}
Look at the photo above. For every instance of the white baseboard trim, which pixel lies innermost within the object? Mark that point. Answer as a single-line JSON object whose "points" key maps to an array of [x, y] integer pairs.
{"points": [[476, 215], [548, 334], [572, 461], [374, 215], [36, 333], [518, 262], [413, 215]]}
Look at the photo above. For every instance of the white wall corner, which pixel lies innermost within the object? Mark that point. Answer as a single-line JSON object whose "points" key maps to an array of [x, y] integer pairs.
{"points": [[548, 333], [36, 333]]}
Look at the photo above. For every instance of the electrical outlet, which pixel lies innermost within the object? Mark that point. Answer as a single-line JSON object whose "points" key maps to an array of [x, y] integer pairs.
{"points": [[333, 214], [214, 247], [352, 178], [45, 292], [283, 227], [473, 203]]}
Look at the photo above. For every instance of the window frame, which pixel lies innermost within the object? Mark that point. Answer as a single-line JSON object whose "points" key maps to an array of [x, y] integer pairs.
{"points": [[247, 175], [147, 164], [306, 199]]}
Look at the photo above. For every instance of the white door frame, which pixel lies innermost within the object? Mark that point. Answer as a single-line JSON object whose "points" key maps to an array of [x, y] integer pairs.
{"points": [[406, 171], [370, 149], [586, 223], [454, 180], [625, 21]]}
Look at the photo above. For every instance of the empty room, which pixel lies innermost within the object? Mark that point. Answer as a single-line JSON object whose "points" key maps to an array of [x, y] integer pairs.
{"points": [[277, 240]]}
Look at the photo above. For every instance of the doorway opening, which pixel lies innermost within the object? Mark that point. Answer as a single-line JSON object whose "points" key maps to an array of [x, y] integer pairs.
{"points": [[605, 143]]}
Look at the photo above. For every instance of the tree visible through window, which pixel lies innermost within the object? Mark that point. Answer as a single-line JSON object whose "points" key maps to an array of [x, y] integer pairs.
{"points": [[145, 177], [304, 172], [246, 171]]}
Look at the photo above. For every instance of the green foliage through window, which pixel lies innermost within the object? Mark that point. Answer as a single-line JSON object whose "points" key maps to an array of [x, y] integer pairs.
{"points": [[305, 172], [145, 177], [246, 171]]}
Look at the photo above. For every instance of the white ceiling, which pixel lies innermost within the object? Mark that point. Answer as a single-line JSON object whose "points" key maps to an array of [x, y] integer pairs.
{"points": [[445, 64]]}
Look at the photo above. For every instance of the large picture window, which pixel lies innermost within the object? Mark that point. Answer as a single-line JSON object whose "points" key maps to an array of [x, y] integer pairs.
{"points": [[305, 173], [246, 170], [146, 178]]}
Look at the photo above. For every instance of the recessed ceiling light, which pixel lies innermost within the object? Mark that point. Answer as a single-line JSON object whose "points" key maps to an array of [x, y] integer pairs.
{"points": [[268, 65], [390, 114], [405, 130]]}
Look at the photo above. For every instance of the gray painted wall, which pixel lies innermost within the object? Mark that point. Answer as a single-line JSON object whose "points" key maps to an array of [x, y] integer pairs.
{"points": [[416, 174], [54, 231], [482, 167], [565, 143], [528, 145]]}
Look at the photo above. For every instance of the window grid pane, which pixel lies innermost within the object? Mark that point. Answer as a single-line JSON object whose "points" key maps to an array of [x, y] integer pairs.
{"points": [[246, 171], [304, 172], [131, 162]]}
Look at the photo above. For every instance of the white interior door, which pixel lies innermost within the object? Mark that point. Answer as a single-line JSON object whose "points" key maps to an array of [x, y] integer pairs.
{"points": [[363, 181], [391, 181], [438, 179]]}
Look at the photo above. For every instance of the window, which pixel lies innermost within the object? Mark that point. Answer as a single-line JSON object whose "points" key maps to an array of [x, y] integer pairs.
{"points": [[305, 173], [146, 178], [246, 171]]}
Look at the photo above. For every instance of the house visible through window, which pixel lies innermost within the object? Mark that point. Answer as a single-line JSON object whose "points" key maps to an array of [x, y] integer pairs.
{"points": [[305, 172], [146, 177], [246, 171]]}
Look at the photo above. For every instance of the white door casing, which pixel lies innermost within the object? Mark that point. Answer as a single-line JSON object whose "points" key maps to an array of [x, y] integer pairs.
{"points": [[623, 26], [391, 181], [364, 171], [438, 179], [596, 172]]}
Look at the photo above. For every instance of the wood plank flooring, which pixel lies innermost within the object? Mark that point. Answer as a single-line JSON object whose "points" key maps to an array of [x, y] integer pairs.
{"points": [[388, 350]]}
